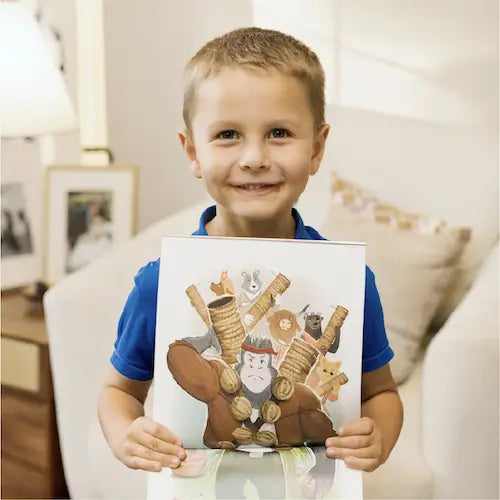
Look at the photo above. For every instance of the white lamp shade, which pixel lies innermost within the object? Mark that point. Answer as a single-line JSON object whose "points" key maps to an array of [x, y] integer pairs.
{"points": [[33, 96]]}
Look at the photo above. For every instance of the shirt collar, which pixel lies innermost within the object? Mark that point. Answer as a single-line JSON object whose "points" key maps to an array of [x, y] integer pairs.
{"points": [[210, 212]]}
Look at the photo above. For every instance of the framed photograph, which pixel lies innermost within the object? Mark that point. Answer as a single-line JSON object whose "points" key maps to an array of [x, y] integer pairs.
{"points": [[21, 201], [89, 210], [20, 263]]}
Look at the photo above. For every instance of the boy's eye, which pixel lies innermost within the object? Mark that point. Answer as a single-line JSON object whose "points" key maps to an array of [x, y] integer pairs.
{"points": [[228, 135], [278, 133]]}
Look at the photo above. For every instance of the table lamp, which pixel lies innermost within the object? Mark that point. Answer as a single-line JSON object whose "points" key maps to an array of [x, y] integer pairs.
{"points": [[33, 96], [34, 102]]}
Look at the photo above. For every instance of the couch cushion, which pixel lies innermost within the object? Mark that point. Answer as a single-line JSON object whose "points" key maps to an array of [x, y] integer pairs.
{"points": [[448, 171], [367, 206], [413, 257], [110, 477], [406, 474]]}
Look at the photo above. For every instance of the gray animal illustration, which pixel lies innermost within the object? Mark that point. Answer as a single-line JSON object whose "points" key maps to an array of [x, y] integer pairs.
{"points": [[203, 342], [314, 329], [250, 288], [313, 324]]}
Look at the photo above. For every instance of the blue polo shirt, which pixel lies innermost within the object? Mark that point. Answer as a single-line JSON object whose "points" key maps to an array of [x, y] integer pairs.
{"points": [[133, 354]]}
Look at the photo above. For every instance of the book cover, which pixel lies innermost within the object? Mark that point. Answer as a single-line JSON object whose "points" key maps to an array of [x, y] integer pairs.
{"points": [[258, 362]]}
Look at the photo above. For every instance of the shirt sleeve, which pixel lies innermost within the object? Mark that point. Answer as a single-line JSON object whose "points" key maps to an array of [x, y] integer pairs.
{"points": [[133, 354], [376, 349]]}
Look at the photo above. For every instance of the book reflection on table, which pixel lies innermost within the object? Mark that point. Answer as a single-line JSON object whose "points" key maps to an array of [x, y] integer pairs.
{"points": [[300, 472]]}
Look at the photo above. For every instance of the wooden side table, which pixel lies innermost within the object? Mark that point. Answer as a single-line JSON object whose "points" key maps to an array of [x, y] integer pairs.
{"points": [[31, 458]]}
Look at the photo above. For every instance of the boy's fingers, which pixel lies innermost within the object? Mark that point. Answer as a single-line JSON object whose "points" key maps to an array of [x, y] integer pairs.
{"points": [[363, 425], [161, 432], [143, 464], [153, 456], [364, 464], [348, 452], [157, 445], [354, 442]]}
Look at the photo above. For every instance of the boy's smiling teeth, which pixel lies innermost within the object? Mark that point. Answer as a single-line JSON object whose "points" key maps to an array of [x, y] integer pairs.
{"points": [[255, 186]]}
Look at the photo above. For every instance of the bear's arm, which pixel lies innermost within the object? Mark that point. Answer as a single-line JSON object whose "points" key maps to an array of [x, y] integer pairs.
{"points": [[315, 423], [192, 372]]}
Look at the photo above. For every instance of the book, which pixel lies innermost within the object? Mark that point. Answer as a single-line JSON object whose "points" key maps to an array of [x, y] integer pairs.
{"points": [[257, 362]]}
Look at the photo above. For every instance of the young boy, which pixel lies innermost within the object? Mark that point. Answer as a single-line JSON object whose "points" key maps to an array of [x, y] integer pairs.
{"points": [[254, 133]]}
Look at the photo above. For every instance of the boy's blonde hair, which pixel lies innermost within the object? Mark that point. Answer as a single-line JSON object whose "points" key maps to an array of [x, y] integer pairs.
{"points": [[254, 49]]}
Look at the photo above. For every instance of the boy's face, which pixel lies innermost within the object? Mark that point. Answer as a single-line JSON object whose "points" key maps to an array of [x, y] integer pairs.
{"points": [[254, 142]]}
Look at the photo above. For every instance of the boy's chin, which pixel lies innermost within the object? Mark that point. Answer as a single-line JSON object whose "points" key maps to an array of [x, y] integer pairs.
{"points": [[259, 210]]}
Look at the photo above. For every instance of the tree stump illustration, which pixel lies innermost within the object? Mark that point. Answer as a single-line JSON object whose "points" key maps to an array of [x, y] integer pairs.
{"points": [[277, 287], [198, 303], [299, 359], [328, 337], [227, 326]]}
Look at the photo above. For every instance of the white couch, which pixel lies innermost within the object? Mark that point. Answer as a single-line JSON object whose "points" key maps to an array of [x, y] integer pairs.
{"points": [[448, 447]]}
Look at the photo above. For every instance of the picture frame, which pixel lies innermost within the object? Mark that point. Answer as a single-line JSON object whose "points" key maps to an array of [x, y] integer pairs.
{"points": [[88, 211], [21, 205]]}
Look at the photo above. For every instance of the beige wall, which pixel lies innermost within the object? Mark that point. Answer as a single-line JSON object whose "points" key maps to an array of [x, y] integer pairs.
{"points": [[436, 61], [147, 46], [449, 48]]}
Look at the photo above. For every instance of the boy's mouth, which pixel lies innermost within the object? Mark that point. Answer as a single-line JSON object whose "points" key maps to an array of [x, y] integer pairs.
{"points": [[257, 188]]}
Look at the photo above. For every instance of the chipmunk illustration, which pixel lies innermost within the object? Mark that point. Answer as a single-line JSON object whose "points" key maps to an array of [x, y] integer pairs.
{"points": [[224, 287]]}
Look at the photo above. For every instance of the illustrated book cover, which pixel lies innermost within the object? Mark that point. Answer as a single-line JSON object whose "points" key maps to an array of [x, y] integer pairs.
{"points": [[257, 362]]}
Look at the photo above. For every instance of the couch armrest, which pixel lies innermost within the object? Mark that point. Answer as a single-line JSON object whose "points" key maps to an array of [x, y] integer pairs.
{"points": [[460, 394], [82, 312]]}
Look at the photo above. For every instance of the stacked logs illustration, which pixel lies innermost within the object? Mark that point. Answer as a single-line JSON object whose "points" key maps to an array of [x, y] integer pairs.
{"points": [[230, 381], [224, 317], [198, 303], [328, 337], [301, 356], [298, 361], [227, 326], [263, 304], [241, 408], [282, 388], [243, 435]]}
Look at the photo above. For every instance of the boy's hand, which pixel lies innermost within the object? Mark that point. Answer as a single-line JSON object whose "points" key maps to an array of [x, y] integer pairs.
{"points": [[150, 446], [359, 444]]}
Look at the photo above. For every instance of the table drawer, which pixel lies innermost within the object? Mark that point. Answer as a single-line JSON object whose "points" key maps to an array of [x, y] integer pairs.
{"points": [[25, 428], [19, 481], [20, 364]]}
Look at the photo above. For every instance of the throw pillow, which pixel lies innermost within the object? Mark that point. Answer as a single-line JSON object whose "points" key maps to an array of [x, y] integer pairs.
{"points": [[413, 257]]}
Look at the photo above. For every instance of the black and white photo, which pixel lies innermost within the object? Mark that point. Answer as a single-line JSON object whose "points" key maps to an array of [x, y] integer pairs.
{"points": [[90, 227], [16, 232]]}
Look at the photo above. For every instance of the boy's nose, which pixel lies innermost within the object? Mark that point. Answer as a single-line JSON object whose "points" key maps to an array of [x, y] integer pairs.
{"points": [[254, 158]]}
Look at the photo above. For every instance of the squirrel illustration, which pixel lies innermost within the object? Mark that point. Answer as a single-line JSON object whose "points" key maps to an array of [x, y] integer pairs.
{"points": [[224, 287]]}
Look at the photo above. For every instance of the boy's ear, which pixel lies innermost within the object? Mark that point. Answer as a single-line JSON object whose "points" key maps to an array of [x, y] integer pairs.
{"points": [[189, 147], [319, 147]]}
